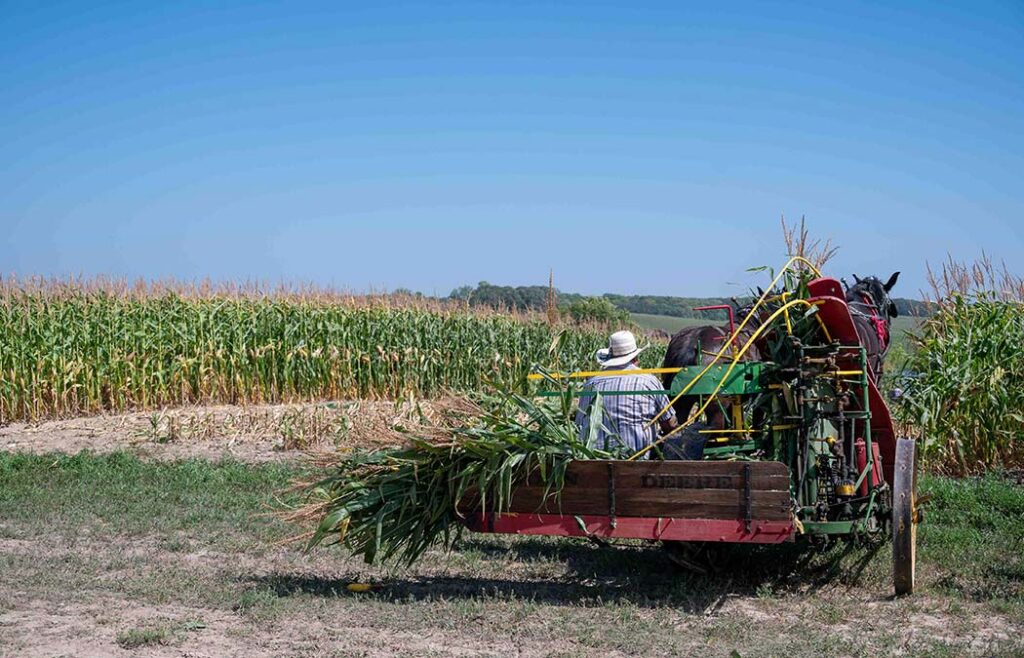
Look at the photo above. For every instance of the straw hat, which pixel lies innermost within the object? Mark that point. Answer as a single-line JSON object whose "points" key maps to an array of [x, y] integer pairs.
{"points": [[621, 350]]}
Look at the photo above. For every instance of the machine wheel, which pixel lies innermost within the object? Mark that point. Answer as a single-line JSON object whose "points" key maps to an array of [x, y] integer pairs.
{"points": [[904, 517]]}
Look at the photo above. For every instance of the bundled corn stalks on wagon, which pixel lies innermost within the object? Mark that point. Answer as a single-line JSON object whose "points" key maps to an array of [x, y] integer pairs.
{"points": [[808, 451]]}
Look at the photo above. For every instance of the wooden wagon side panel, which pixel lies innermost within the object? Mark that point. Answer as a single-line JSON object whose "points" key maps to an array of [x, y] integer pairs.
{"points": [[687, 501], [709, 490]]}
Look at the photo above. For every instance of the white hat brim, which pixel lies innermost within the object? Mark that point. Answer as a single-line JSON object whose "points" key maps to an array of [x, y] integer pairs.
{"points": [[605, 360]]}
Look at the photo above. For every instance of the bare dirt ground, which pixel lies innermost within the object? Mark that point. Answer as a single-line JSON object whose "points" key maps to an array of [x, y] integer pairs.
{"points": [[209, 579], [257, 433]]}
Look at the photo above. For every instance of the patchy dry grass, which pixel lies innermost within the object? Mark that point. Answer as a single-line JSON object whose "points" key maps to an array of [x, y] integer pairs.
{"points": [[116, 556], [250, 433]]}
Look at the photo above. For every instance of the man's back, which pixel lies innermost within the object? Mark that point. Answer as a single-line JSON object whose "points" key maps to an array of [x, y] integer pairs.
{"points": [[626, 416]]}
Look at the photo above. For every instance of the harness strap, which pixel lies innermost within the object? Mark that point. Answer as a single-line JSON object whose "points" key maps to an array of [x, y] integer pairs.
{"points": [[876, 319]]}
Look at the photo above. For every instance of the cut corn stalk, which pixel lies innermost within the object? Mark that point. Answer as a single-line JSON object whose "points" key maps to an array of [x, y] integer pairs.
{"points": [[392, 505]]}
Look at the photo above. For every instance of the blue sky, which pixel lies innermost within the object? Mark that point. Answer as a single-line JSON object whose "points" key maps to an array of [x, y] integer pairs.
{"points": [[633, 147]]}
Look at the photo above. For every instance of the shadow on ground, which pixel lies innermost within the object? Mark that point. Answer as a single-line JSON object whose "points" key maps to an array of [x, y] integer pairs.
{"points": [[592, 574]]}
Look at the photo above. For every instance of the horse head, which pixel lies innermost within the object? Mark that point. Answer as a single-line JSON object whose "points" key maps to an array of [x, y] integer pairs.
{"points": [[870, 291]]}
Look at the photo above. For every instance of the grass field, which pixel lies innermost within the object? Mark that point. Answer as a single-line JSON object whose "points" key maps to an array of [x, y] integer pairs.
{"points": [[110, 555], [115, 555]]}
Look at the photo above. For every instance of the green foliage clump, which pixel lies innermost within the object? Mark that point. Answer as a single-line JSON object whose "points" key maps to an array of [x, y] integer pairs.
{"points": [[597, 310], [965, 384], [394, 504]]}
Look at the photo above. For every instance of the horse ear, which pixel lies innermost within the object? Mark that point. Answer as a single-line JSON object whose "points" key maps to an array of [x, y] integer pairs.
{"points": [[891, 283], [856, 278]]}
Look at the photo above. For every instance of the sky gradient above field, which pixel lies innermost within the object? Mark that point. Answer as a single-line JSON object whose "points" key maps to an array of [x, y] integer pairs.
{"points": [[641, 149]]}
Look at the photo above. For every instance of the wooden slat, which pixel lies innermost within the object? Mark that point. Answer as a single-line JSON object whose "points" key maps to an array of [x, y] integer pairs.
{"points": [[688, 496], [666, 481], [627, 474], [725, 511], [699, 489], [627, 496], [700, 482], [692, 503], [590, 468]]}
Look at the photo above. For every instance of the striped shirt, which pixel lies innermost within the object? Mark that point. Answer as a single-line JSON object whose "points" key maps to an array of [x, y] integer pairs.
{"points": [[625, 416]]}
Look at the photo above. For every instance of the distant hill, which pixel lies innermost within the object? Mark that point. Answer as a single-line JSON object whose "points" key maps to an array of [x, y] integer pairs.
{"points": [[534, 298]]}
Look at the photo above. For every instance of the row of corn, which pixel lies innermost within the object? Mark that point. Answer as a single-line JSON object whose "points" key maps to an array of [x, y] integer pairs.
{"points": [[964, 385], [87, 350]]}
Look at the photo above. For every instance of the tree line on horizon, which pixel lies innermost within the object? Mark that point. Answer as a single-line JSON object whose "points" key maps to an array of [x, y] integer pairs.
{"points": [[534, 298]]}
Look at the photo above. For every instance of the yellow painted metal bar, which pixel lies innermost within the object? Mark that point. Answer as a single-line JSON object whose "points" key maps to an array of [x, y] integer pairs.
{"points": [[746, 431], [789, 323], [604, 373], [848, 372], [821, 323], [737, 412]]}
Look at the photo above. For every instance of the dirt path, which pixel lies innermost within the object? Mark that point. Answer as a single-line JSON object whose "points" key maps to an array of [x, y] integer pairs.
{"points": [[257, 433]]}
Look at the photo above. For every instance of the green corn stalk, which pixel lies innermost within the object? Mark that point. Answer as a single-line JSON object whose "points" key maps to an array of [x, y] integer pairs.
{"points": [[964, 384], [68, 350], [392, 505]]}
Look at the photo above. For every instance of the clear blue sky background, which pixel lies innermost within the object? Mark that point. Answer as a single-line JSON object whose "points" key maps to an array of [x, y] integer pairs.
{"points": [[633, 147]]}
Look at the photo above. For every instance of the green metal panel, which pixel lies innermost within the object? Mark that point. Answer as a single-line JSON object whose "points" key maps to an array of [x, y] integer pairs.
{"points": [[730, 450], [830, 527], [744, 379]]}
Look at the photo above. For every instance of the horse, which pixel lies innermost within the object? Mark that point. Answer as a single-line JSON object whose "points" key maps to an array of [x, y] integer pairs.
{"points": [[692, 346], [873, 312]]}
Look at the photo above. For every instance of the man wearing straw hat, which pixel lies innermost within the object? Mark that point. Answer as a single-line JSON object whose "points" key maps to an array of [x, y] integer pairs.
{"points": [[626, 417]]}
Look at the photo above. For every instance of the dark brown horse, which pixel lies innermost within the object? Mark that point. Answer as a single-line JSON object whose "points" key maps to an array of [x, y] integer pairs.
{"points": [[873, 312], [698, 346]]}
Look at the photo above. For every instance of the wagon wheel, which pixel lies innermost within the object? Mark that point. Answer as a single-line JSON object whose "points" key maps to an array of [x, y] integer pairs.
{"points": [[904, 517]]}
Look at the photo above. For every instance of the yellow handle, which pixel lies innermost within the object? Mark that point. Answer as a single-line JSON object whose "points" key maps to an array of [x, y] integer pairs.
{"points": [[604, 373]]}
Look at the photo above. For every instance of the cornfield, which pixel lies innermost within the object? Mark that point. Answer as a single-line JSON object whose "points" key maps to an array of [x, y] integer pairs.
{"points": [[964, 389], [74, 348]]}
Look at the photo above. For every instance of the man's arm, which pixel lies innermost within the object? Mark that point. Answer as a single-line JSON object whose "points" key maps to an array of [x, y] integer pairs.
{"points": [[668, 421]]}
